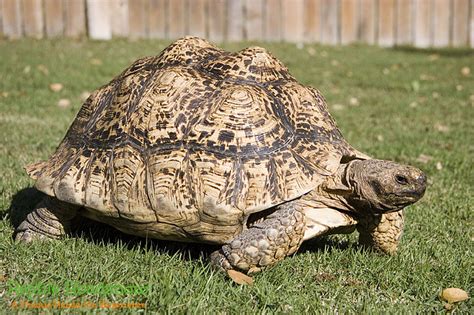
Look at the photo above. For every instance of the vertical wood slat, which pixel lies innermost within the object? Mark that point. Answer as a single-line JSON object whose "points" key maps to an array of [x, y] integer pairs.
{"points": [[293, 21], [217, 20], [235, 20], [1, 19], [74, 18], [441, 11], [460, 14], [157, 19], [137, 18], [405, 24], [273, 20], [177, 16], [330, 22], [367, 21], [386, 23], [11, 19], [54, 19], [98, 19], [32, 13], [349, 14], [422, 24], [254, 19], [119, 18], [471, 29], [197, 18], [312, 21]]}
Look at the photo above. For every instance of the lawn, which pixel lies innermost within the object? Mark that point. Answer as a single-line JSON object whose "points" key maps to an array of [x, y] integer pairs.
{"points": [[411, 106]]}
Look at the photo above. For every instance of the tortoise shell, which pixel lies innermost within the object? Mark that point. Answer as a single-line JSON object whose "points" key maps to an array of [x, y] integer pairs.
{"points": [[188, 144]]}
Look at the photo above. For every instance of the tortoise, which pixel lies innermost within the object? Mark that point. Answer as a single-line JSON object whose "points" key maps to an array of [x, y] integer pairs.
{"points": [[203, 145]]}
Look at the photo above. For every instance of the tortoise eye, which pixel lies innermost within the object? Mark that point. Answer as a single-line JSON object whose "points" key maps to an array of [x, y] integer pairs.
{"points": [[402, 180]]}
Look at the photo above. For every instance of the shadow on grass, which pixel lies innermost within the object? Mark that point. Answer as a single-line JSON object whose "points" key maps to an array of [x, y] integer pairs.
{"points": [[24, 201], [445, 52]]}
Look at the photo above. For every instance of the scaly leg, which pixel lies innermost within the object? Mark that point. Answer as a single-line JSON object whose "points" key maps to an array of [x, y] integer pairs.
{"points": [[50, 220], [382, 232], [280, 234]]}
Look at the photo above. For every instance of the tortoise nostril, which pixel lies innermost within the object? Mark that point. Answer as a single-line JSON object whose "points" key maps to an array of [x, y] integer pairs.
{"points": [[402, 180]]}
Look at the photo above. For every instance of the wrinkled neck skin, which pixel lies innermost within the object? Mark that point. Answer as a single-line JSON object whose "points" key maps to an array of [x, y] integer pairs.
{"points": [[340, 192]]}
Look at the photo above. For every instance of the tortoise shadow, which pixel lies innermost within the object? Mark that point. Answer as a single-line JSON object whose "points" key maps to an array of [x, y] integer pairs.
{"points": [[25, 200]]}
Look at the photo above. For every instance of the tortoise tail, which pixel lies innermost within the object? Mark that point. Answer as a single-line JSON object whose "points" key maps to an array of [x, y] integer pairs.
{"points": [[34, 170]]}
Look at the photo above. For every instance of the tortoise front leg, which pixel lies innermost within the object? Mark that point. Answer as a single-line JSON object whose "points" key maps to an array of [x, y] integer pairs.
{"points": [[280, 234], [50, 220], [382, 232]]}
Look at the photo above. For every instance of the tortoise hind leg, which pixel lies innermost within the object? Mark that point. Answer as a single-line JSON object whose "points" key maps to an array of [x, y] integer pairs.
{"points": [[280, 234], [50, 219]]}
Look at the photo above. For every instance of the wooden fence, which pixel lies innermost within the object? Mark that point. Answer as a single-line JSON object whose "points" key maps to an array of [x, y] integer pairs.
{"points": [[422, 23]]}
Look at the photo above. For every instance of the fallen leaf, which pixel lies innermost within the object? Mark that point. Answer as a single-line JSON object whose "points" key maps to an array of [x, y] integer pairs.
{"points": [[466, 71], [334, 63], [311, 51], [380, 138], [43, 69], [441, 128], [415, 85], [459, 87], [433, 57], [439, 166], [471, 98], [239, 277], [353, 101], [453, 295], [27, 69], [423, 158], [435, 95], [5, 94], [55, 87], [96, 61], [64, 103], [338, 107], [413, 104], [426, 77], [385, 71]]}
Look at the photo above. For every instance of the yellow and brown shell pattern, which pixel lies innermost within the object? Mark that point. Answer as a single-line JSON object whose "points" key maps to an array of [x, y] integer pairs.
{"points": [[187, 144]]}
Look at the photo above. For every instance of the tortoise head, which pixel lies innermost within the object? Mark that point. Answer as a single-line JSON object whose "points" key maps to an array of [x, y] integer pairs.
{"points": [[384, 186]]}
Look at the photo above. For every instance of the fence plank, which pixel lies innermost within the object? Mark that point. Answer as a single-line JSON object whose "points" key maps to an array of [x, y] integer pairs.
{"points": [[1, 19], [254, 19], [312, 21], [217, 20], [157, 19], [12, 19], [386, 18], [293, 20], [119, 18], [472, 24], [441, 10], [404, 22], [98, 19], [460, 35], [74, 18], [32, 12], [273, 20], [177, 14], [197, 18], [329, 22], [137, 18], [349, 21], [54, 19], [422, 24], [367, 21], [235, 20]]}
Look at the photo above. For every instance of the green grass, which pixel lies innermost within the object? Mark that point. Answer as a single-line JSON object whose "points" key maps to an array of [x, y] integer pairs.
{"points": [[411, 102]]}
